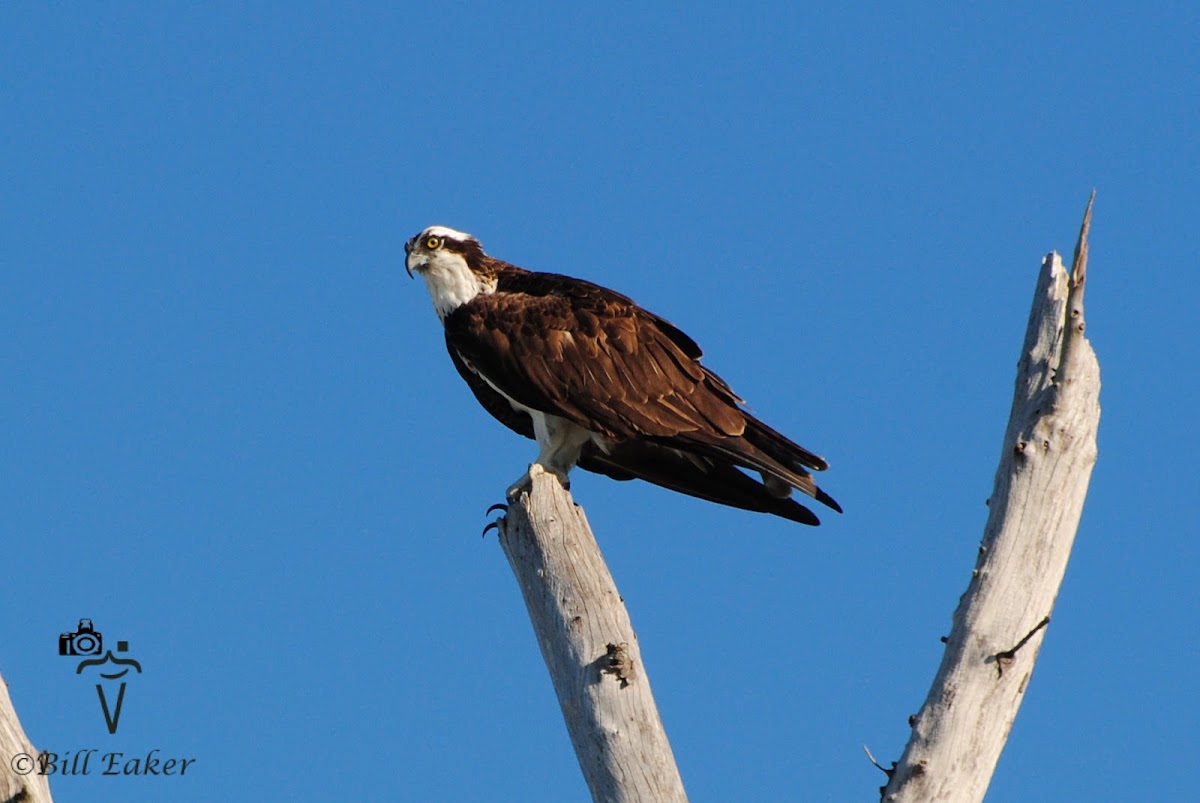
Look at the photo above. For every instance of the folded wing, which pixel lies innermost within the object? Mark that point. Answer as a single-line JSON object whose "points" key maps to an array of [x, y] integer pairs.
{"points": [[590, 355]]}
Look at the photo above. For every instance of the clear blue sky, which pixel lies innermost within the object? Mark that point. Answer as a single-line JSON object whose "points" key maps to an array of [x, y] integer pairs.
{"points": [[229, 432]]}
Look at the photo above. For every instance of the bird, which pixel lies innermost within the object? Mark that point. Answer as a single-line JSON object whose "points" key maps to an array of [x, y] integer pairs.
{"points": [[603, 383]]}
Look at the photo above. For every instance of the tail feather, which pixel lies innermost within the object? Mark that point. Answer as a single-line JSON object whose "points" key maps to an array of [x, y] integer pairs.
{"points": [[783, 464], [714, 480], [791, 455], [776, 474], [781, 448]]}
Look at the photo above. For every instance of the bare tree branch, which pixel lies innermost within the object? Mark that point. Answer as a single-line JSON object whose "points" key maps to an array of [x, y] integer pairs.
{"points": [[589, 647], [20, 778], [1045, 466]]}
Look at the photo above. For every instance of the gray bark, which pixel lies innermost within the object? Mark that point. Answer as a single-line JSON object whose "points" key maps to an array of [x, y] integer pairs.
{"points": [[589, 647], [20, 779], [1046, 462]]}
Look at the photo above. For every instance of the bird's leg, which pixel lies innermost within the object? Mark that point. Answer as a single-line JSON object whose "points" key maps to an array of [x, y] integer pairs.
{"points": [[561, 474], [524, 483], [559, 445]]}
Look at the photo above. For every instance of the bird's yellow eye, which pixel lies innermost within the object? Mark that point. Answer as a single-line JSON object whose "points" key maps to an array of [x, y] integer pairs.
{"points": [[433, 243]]}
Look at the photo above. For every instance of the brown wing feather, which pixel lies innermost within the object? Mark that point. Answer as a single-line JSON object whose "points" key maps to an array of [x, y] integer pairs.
{"points": [[705, 478], [594, 358], [580, 351], [702, 477], [492, 401]]}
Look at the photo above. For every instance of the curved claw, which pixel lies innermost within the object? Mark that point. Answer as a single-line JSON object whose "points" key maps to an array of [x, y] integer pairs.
{"points": [[494, 525], [498, 506]]}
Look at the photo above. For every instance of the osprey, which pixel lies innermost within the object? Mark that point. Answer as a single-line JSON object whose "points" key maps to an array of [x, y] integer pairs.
{"points": [[602, 383]]}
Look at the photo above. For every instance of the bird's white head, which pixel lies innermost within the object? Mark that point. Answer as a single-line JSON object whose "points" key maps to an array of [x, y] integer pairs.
{"points": [[450, 262]]}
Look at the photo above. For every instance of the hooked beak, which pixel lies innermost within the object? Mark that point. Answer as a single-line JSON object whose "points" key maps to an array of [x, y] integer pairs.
{"points": [[411, 264], [408, 246]]}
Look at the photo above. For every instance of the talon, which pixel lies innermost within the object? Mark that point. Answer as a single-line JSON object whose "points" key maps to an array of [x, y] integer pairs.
{"points": [[498, 506], [495, 525]]}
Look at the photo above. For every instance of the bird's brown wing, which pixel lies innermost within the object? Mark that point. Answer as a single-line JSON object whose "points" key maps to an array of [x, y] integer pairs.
{"points": [[490, 400], [703, 477], [593, 357], [576, 350]]}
